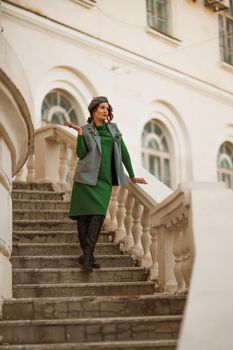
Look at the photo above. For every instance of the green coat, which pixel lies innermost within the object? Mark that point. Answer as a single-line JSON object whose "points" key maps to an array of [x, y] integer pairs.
{"points": [[94, 200]]}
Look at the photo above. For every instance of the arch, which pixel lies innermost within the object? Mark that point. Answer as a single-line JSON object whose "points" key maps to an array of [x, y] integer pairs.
{"points": [[72, 82], [177, 136]]}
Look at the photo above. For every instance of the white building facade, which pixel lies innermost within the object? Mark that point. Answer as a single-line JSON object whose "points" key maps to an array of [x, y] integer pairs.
{"points": [[166, 67]]}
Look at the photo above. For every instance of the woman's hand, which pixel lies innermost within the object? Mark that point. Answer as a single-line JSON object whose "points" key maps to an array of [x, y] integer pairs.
{"points": [[75, 127], [138, 180]]}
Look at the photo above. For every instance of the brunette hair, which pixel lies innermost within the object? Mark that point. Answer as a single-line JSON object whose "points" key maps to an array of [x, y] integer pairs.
{"points": [[92, 111]]}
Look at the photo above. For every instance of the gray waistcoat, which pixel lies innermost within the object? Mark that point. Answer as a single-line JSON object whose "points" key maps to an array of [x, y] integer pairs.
{"points": [[87, 169]]}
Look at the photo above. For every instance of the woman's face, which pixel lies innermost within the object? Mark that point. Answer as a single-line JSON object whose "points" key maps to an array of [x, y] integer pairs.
{"points": [[102, 112]]}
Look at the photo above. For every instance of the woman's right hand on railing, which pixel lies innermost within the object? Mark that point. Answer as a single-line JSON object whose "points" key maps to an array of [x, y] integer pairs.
{"points": [[75, 127]]}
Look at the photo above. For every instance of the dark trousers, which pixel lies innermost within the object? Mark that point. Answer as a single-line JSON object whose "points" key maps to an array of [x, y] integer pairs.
{"points": [[89, 227]]}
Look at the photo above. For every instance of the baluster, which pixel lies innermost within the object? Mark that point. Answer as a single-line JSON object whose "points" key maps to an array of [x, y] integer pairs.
{"points": [[120, 214], [31, 168], [107, 220], [170, 280], [63, 168], [178, 259], [112, 224], [154, 254], [146, 238], [161, 259], [190, 261], [137, 250], [128, 222], [186, 256]]}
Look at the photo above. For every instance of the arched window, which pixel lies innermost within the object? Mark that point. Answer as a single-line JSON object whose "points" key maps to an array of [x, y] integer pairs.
{"points": [[156, 157], [225, 164], [57, 108]]}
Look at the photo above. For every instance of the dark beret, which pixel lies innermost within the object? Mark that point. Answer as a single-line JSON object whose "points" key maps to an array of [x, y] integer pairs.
{"points": [[96, 101]]}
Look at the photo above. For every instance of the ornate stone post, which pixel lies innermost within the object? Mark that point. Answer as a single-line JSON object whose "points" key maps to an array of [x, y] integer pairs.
{"points": [[128, 239], [137, 250], [146, 238], [178, 259], [120, 214], [112, 224]]}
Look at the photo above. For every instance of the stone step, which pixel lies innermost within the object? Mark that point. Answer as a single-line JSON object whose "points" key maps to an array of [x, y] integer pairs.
{"points": [[62, 261], [37, 195], [107, 274], [45, 215], [106, 345], [39, 186], [42, 225], [40, 204], [56, 236], [82, 307], [89, 330], [82, 289], [22, 249]]}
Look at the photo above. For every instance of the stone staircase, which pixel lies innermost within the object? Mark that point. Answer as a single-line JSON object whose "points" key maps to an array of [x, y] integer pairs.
{"points": [[57, 306]]}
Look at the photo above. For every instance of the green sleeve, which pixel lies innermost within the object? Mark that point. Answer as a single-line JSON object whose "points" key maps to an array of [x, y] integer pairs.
{"points": [[126, 159], [81, 148]]}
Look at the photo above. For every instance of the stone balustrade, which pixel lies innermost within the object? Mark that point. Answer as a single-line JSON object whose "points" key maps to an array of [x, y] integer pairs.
{"points": [[157, 235]]}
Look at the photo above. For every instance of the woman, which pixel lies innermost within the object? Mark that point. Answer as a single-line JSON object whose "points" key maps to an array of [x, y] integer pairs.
{"points": [[102, 153]]}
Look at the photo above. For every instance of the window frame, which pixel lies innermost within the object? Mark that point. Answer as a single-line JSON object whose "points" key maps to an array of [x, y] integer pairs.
{"points": [[226, 45], [152, 23], [223, 155]]}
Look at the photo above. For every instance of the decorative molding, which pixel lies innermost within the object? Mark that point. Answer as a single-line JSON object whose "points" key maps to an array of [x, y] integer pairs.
{"points": [[86, 3]]}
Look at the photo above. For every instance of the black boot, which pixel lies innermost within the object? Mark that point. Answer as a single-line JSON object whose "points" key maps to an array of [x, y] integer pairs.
{"points": [[92, 235], [82, 226], [95, 265]]}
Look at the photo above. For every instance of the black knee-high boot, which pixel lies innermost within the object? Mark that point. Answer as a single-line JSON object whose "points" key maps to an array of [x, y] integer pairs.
{"points": [[93, 231], [82, 226]]}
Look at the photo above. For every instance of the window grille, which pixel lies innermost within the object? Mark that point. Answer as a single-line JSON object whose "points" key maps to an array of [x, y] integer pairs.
{"points": [[225, 164], [158, 15], [57, 108], [226, 34], [156, 157]]}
